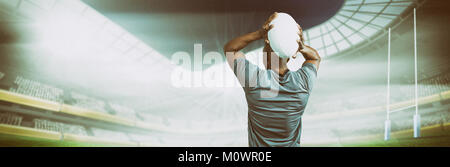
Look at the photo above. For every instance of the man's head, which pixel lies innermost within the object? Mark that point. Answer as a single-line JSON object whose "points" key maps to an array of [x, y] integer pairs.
{"points": [[271, 59]]}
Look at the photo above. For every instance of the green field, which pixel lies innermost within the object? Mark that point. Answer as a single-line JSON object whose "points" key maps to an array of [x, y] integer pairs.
{"points": [[21, 141], [436, 136], [433, 136], [438, 141]]}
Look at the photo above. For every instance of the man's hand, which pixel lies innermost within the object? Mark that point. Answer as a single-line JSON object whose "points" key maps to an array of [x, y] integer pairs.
{"points": [[310, 54], [300, 33], [233, 47], [267, 26]]}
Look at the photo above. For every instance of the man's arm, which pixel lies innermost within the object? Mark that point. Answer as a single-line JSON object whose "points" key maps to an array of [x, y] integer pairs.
{"points": [[310, 54], [233, 47]]}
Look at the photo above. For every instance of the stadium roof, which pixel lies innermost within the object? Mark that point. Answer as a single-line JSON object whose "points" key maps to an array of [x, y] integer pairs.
{"points": [[357, 21], [171, 26]]}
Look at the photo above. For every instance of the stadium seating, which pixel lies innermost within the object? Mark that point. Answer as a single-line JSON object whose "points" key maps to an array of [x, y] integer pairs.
{"points": [[151, 118], [54, 126], [399, 93], [435, 84], [430, 86], [109, 134], [37, 89], [10, 119], [123, 111], [87, 102], [374, 125]]}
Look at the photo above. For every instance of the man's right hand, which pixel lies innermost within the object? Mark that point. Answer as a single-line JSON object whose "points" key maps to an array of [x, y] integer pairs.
{"points": [[267, 26]]}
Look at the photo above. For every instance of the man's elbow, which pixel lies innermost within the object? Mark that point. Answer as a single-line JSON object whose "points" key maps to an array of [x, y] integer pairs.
{"points": [[227, 49]]}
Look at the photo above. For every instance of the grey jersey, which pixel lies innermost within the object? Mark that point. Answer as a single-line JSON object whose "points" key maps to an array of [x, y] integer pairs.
{"points": [[275, 103]]}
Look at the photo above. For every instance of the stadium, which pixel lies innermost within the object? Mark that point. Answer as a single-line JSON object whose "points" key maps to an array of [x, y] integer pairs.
{"points": [[83, 73]]}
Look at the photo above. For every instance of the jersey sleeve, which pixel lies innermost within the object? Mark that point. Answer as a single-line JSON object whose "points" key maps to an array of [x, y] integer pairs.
{"points": [[308, 75], [245, 72]]}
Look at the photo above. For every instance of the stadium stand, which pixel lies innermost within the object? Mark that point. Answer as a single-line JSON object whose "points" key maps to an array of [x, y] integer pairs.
{"points": [[10, 119], [151, 118], [54, 126], [87, 102], [123, 111], [435, 84], [431, 86], [2, 75], [109, 134], [399, 123], [37, 89], [399, 93]]}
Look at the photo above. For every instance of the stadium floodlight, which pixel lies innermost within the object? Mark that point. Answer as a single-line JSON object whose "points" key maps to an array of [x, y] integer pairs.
{"points": [[416, 118]]}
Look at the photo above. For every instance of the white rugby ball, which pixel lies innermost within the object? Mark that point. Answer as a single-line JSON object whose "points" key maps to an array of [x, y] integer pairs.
{"points": [[284, 35]]}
